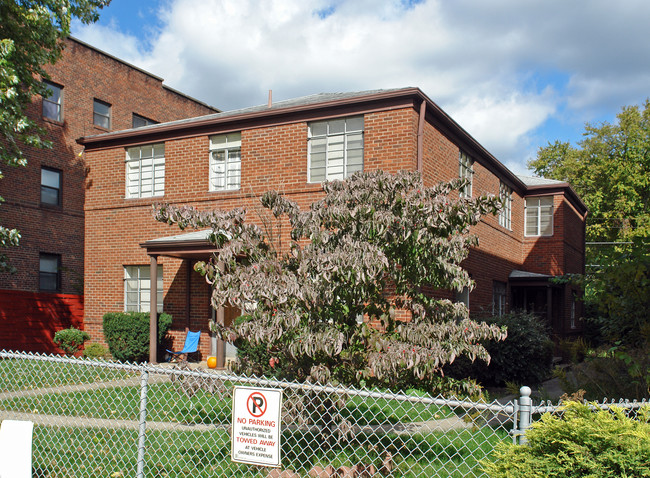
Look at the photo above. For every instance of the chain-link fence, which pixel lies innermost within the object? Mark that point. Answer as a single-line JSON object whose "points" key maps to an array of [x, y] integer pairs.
{"points": [[107, 419]]}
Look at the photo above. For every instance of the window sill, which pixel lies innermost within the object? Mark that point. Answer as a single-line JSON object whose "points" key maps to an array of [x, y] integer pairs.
{"points": [[126, 198], [53, 121]]}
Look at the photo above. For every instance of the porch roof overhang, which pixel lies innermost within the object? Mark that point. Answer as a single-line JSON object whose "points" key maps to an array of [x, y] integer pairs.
{"points": [[525, 278], [189, 245]]}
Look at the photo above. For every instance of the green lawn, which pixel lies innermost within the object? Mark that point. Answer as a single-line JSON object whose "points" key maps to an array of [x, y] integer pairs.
{"points": [[18, 374], [69, 451], [94, 452]]}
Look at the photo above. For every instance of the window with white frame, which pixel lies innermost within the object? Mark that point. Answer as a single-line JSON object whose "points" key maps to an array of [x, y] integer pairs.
{"points": [[225, 162], [505, 193], [498, 298], [145, 171], [335, 149], [137, 288], [101, 114], [539, 216], [465, 171], [53, 102]]}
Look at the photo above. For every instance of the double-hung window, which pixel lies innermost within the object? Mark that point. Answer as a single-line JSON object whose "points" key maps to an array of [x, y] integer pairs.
{"points": [[53, 102], [101, 114], [49, 272], [505, 194], [137, 288], [145, 171], [50, 187], [225, 162], [140, 121], [465, 171], [539, 216], [335, 149]]}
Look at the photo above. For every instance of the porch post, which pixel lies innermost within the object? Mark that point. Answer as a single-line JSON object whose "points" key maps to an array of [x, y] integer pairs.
{"points": [[549, 305], [153, 310], [188, 294], [221, 346]]}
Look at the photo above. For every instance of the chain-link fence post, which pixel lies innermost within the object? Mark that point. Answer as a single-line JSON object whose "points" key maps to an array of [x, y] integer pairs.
{"points": [[525, 407], [144, 378]]}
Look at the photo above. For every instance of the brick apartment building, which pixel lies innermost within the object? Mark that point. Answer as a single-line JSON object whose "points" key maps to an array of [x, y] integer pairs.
{"points": [[228, 159], [91, 93]]}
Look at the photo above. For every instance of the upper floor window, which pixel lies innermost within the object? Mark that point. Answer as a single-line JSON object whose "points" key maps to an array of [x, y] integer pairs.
{"points": [[145, 171], [465, 171], [50, 186], [53, 102], [49, 272], [335, 149], [137, 288], [140, 121], [101, 114], [505, 193], [539, 216], [225, 162]]}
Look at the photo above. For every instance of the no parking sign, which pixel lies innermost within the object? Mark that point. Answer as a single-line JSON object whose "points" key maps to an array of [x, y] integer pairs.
{"points": [[256, 415]]}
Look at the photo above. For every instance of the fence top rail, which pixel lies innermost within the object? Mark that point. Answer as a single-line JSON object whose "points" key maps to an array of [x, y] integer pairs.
{"points": [[509, 407], [340, 390], [604, 405]]}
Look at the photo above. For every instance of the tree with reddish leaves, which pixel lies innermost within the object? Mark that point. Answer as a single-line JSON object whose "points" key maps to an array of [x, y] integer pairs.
{"points": [[324, 307]]}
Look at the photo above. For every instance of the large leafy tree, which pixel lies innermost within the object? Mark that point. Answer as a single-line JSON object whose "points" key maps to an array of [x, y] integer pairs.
{"points": [[610, 171], [30, 38], [326, 305]]}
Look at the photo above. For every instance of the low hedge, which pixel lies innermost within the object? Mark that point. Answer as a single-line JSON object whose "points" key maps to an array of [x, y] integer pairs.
{"points": [[582, 442], [127, 334]]}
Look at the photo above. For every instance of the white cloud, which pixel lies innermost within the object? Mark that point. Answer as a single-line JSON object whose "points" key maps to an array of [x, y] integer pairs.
{"points": [[110, 39], [503, 69]]}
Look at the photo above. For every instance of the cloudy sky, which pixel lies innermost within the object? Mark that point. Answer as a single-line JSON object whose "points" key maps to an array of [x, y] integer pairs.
{"points": [[516, 74]]}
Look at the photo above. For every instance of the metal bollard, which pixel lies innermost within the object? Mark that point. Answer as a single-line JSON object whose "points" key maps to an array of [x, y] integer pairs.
{"points": [[525, 408]]}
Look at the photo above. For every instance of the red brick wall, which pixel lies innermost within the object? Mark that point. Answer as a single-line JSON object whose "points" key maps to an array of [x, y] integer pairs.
{"points": [[30, 320], [85, 74], [273, 157]]}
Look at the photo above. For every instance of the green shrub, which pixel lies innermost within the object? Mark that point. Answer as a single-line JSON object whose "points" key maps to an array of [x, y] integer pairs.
{"points": [[95, 351], [525, 357], [581, 443], [127, 334], [610, 372], [70, 340]]}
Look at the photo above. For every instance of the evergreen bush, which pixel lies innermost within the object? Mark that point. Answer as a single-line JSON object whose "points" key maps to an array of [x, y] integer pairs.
{"points": [[525, 357], [582, 443], [127, 334], [70, 340]]}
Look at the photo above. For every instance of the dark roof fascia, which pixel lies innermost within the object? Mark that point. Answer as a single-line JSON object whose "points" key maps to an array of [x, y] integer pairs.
{"points": [[246, 120], [564, 188], [178, 248], [145, 72]]}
